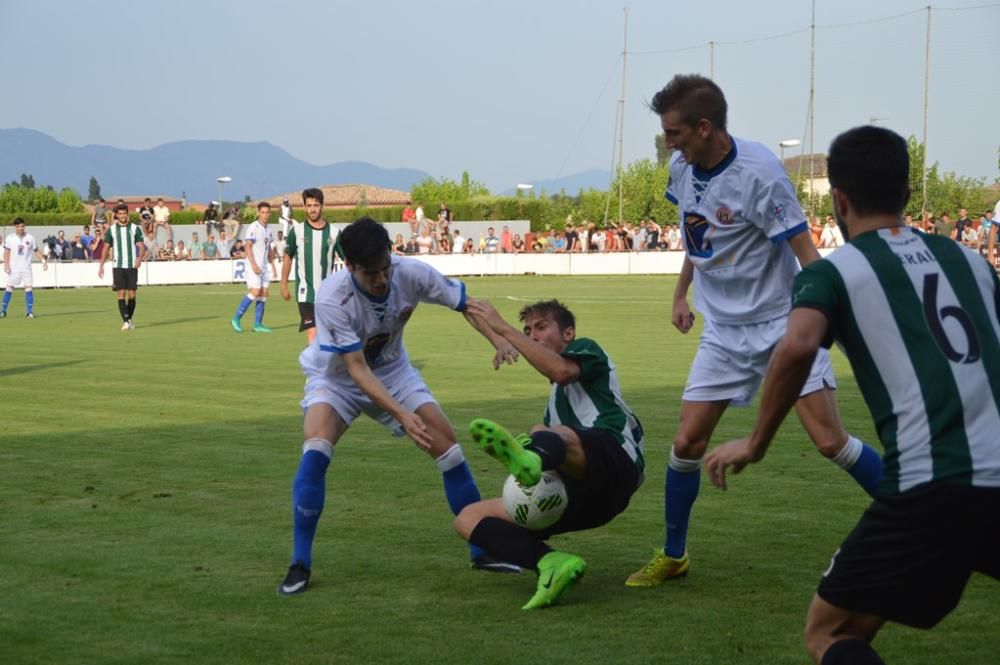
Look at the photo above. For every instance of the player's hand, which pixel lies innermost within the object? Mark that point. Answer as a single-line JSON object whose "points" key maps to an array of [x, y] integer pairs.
{"points": [[506, 353], [681, 316], [415, 428], [485, 310], [736, 454], [100, 272], [285, 293], [45, 265]]}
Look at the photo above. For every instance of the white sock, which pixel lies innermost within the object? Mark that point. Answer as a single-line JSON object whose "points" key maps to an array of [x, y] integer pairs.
{"points": [[849, 454], [450, 459]]}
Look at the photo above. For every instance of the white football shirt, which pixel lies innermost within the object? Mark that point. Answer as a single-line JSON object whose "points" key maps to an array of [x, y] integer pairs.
{"points": [[735, 221], [263, 240], [21, 250], [348, 319]]}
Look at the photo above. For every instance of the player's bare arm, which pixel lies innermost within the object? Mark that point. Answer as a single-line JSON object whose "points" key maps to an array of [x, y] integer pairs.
{"points": [[142, 254], [104, 257], [248, 250], [505, 351], [6, 260], [804, 249], [681, 315], [786, 374], [370, 385], [550, 364], [286, 270]]}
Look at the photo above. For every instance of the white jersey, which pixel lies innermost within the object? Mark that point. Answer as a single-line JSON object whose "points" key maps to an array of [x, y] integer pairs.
{"points": [[21, 250], [348, 319], [263, 241], [735, 221]]}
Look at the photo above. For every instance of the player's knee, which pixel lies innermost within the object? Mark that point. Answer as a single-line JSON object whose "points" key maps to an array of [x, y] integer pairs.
{"points": [[688, 447], [829, 443], [466, 520]]}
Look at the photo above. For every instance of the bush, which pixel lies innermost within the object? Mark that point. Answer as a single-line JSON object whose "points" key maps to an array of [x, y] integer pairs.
{"points": [[48, 218]]}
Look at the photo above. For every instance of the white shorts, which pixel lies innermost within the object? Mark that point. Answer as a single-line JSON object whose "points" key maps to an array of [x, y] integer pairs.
{"points": [[404, 384], [732, 360], [19, 278], [261, 281]]}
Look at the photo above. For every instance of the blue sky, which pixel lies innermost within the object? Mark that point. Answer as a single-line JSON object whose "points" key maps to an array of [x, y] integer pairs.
{"points": [[511, 91]]}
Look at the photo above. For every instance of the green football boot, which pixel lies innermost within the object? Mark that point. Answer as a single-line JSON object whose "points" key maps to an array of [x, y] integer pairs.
{"points": [[524, 465], [556, 572], [261, 328], [235, 321]]}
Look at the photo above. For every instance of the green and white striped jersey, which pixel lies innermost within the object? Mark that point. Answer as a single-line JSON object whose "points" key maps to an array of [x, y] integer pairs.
{"points": [[314, 251], [122, 240], [595, 400], [919, 319]]}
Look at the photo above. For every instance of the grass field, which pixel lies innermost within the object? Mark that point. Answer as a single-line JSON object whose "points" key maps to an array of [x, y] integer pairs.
{"points": [[145, 502]]}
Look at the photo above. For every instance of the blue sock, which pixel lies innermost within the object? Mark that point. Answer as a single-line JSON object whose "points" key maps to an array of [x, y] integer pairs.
{"points": [[258, 313], [244, 306], [308, 492], [459, 485], [862, 462], [29, 300], [681, 491], [6, 299]]}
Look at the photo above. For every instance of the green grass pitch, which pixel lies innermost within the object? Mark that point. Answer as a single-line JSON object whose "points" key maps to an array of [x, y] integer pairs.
{"points": [[145, 502]]}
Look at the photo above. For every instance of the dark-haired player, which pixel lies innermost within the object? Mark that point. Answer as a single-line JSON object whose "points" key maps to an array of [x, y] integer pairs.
{"points": [[918, 316], [358, 364]]}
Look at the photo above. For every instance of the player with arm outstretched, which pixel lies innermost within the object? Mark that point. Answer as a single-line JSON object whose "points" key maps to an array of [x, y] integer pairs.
{"points": [[259, 247], [589, 435], [742, 230], [18, 248], [313, 246], [358, 364], [918, 317]]}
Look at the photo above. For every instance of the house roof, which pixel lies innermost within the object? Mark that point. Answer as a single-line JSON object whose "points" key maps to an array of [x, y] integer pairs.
{"points": [[348, 196], [818, 165]]}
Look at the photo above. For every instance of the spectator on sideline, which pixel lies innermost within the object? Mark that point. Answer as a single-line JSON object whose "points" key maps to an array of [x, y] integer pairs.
{"points": [[97, 247], [411, 245], [492, 245], [572, 237], [211, 218], [181, 252], [237, 251], [280, 243], [166, 253], [61, 249], [209, 250], [231, 220], [506, 241], [409, 217], [146, 219], [963, 223], [457, 243], [418, 217], [425, 243], [284, 220], [195, 249], [517, 245], [100, 214], [470, 246], [88, 240], [399, 245], [444, 243], [225, 246], [161, 217], [77, 251], [944, 226]]}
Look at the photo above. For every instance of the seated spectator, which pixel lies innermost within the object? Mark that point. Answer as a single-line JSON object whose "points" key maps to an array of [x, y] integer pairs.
{"points": [[470, 246], [147, 220], [538, 244], [166, 253], [411, 245], [77, 251], [444, 243], [399, 245], [558, 242], [231, 220], [161, 217], [211, 219], [409, 217], [237, 251], [181, 252], [517, 245], [970, 237], [195, 248], [209, 249]]}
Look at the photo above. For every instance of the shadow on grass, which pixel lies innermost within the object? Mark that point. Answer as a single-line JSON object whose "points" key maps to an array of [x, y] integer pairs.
{"points": [[26, 369], [51, 315], [174, 322]]}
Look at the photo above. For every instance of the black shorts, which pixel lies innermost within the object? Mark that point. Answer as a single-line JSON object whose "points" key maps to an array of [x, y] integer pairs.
{"points": [[307, 316], [124, 279], [911, 554], [605, 491]]}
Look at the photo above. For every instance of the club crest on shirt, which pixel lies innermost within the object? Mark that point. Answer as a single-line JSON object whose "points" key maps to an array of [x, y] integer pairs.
{"points": [[696, 235], [724, 215], [779, 213]]}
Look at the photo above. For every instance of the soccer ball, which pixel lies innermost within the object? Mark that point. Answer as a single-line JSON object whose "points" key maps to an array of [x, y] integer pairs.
{"points": [[537, 507]]}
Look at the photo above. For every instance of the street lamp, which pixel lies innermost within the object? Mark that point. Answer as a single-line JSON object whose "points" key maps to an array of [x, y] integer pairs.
{"points": [[875, 119], [524, 188], [222, 181], [787, 143]]}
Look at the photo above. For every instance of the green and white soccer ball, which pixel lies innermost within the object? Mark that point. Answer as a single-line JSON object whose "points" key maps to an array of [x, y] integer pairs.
{"points": [[537, 507]]}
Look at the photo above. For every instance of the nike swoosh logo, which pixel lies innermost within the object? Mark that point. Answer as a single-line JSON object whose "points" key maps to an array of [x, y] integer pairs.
{"points": [[547, 583], [292, 587]]}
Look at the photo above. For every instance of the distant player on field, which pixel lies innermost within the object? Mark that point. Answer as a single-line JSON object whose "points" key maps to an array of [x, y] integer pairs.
{"points": [[743, 230], [259, 248], [130, 251], [313, 246], [919, 318], [589, 435], [358, 364], [18, 248]]}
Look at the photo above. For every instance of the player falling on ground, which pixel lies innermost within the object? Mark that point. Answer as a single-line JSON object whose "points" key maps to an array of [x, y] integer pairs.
{"points": [[313, 246], [259, 248], [589, 435], [125, 238], [918, 316], [358, 364], [743, 230], [18, 248]]}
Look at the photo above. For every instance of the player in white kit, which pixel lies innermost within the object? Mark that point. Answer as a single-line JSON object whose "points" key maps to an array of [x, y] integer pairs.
{"points": [[358, 364], [259, 247], [18, 248], [742, 231]]}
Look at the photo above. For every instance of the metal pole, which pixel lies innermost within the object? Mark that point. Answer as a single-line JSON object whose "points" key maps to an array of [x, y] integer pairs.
{"points": [[812, 113], [621, 121], [711, 60], [927, 77]]}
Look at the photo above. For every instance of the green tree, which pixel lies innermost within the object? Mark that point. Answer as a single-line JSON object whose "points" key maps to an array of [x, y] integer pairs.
{"points": [[69, 201], [432, 190], [27, 181], [93, 189], [663, 153], [644, 183]]}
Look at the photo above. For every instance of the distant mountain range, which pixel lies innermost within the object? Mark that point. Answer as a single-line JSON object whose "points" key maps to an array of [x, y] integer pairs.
{"points": [[259, 169]]}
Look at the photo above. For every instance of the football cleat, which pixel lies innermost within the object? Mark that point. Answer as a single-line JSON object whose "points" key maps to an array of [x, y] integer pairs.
{"points": [[489, 564], [30, 315], [556, 572], [261, 328], [131, 324], [524, 465], [235, 321], [3, 315], [659, 569], [296, 580], [125, 325]]}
